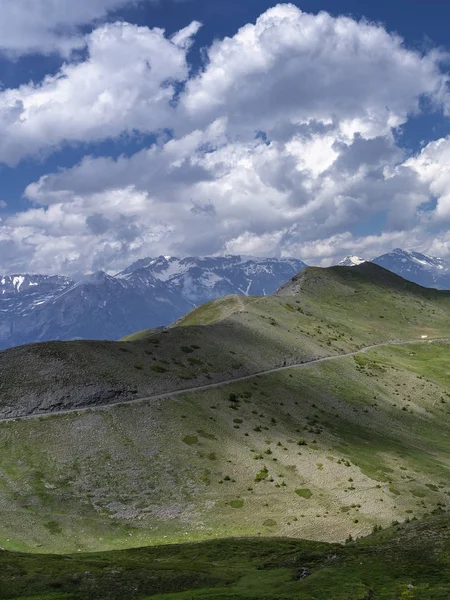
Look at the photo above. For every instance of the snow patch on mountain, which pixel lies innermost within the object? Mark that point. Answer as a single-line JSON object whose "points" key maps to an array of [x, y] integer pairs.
{"points": [[351, 261]]}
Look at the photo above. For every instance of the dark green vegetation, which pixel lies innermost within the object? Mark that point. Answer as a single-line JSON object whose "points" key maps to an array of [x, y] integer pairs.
{"points": [[409, 561]]}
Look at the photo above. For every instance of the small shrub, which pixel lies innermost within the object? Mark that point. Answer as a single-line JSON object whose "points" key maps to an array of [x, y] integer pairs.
{"points": [[195, 361], [190, 440], [270, 523], [53, 527], [262, 475], [158, 369], [304, 493]]}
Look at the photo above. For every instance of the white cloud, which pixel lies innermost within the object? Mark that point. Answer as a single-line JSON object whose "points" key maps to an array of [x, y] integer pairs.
{"points": [[240, 197], [297, 67], [323, 95], [126, 84], [433, 168], [46, 26]]}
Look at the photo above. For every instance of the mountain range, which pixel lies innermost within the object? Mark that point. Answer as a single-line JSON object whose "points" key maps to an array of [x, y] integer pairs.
{"points": [[149, 293], [424, 270], [155, 292]]}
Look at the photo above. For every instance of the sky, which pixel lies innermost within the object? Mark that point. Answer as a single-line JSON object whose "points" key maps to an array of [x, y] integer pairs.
{"points": [[136, 128]]}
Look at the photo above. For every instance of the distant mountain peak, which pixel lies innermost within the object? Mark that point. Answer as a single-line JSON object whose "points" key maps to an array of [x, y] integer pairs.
{"points": [[351, 261]]}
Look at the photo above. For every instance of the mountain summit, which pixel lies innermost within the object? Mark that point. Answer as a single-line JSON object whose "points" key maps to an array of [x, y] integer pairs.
{"points": [[425, 270], [351, 261]]}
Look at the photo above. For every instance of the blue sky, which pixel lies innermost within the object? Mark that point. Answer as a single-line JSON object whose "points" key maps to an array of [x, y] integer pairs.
{"points": [[309, 129]]}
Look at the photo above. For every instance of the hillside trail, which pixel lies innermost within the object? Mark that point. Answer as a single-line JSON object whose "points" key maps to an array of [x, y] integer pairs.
{"points": [[209, 386]]}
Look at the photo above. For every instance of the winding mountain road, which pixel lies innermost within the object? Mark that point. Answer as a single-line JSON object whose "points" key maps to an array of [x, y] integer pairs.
{"points": [[201, 388]]}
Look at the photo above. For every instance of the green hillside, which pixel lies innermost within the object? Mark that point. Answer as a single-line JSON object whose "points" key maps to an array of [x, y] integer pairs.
{"points": [[405, 561], [316, 451]]}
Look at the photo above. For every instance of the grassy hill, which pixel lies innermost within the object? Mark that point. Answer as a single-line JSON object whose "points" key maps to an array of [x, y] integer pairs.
{"points": [[321, 312], [319, 451]]}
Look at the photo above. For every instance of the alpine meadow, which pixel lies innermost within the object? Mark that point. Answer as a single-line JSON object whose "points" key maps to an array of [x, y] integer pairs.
{"points": [[224, 300], [318, 413]]}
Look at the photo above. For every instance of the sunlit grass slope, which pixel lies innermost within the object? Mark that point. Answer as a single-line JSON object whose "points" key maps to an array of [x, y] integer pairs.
{"points": [[318, 452]]}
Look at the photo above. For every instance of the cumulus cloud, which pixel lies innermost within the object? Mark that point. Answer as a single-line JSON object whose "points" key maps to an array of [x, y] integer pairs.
{"points": [[238, 197], [127, 83], [284, 143], [432, 166], [46, 26], [298, 67]]}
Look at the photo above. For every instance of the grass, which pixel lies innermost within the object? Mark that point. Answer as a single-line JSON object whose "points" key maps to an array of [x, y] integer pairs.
{"points": [[404, 561], [305, 493], [168, 471]]}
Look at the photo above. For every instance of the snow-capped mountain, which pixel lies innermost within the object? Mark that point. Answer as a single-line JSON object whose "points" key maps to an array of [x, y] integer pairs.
{"points": [[420, 268], [351, 261], [205, 278], [424, 270], [150, 293]]}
